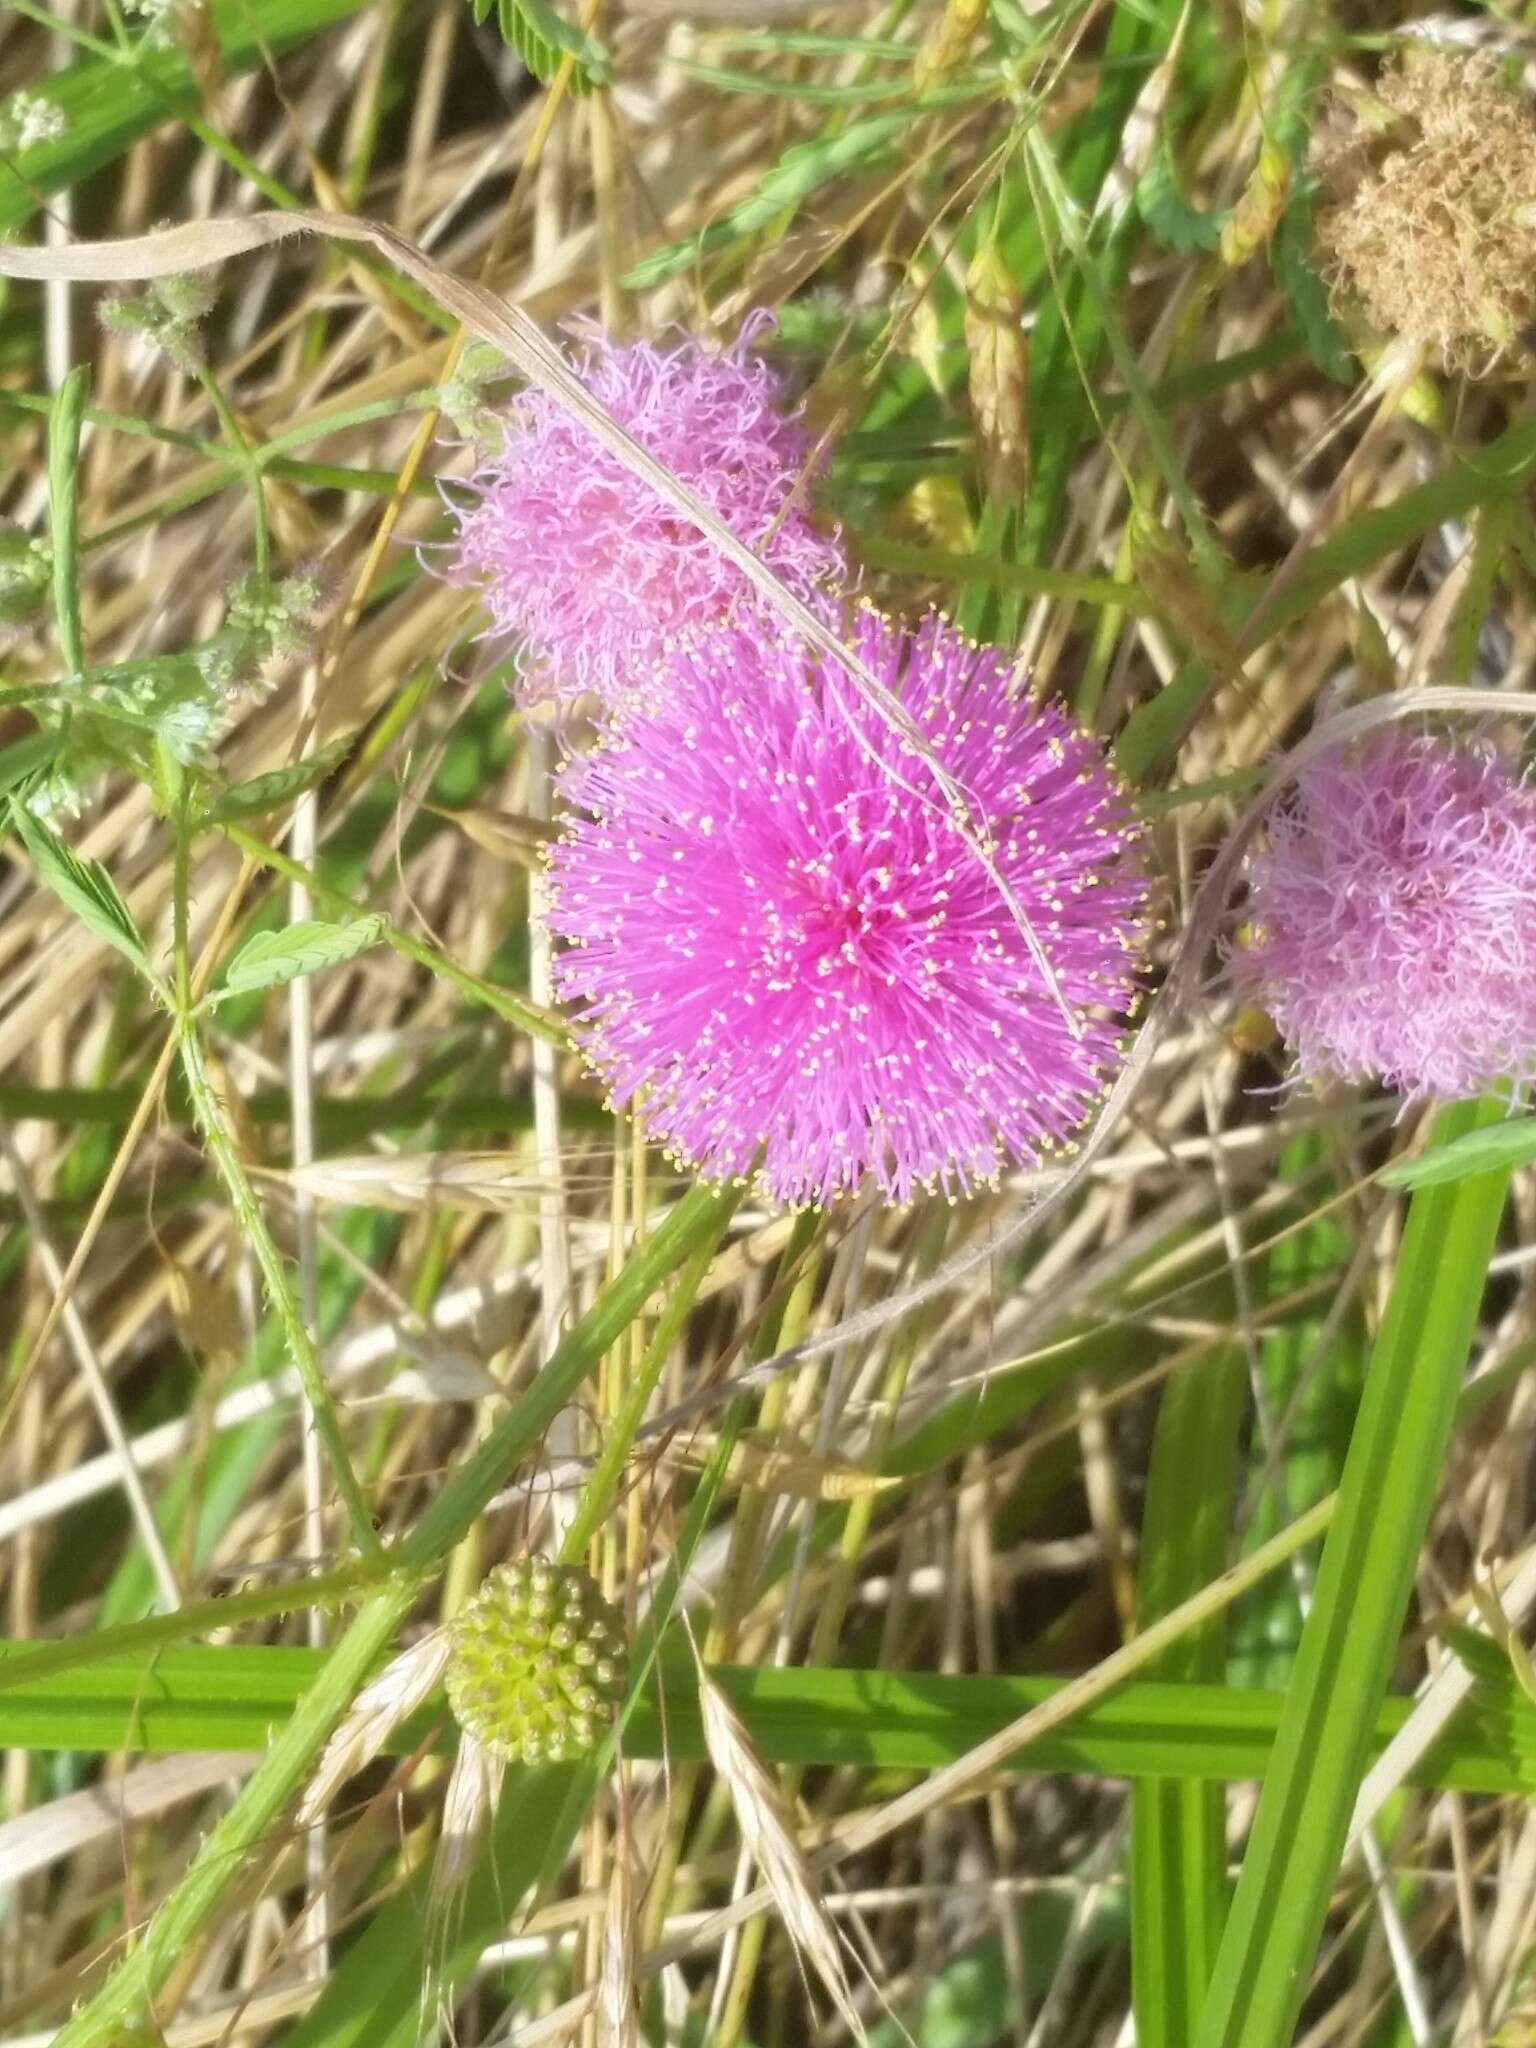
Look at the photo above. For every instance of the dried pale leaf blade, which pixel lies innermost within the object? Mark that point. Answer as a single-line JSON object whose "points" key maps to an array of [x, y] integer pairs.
{"points": [[618, 2002], [405, 1684], [64, 426], [1259, 210], [410, 1181], [509, 835], [790, 1468]]}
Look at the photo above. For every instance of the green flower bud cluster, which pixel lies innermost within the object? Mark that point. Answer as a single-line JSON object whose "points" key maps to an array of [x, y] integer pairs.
{"points": [[26, 573], [264, 619], [168, 315], [537, 1662]]}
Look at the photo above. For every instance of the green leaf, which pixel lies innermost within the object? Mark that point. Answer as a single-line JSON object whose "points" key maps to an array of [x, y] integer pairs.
{"points": [[542, 37], [1293, 253], [84, 886], [1349, 1644], [1508, 1144], [27, 757], [277, 788], [1161, 203], [272, 958], [64, 425]]}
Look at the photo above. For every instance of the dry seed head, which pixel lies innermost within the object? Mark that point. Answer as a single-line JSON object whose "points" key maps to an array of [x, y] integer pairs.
{"points": [[406, 1683], [999, 375], [538, 1661], [769, 1836], [946, 44], [1427, 222]]}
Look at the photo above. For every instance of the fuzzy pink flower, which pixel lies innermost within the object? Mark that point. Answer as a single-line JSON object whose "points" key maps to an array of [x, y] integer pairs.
{"points": [[783, 938], [582, 560], [1394, 917]]}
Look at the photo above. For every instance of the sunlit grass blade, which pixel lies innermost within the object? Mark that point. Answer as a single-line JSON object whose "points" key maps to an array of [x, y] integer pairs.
{"points": [[1178, 1824], [1349, 1644], [229, 1697]]}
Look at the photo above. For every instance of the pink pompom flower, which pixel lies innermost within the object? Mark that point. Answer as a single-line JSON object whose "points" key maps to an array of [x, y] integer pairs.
{"points": [[580, 558], [1393, 917], [782, 937]]}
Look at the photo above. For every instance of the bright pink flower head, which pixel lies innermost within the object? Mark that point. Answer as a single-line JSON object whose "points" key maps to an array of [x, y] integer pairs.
{"points": [[1394, 917], [582, 560], [782, 936]]}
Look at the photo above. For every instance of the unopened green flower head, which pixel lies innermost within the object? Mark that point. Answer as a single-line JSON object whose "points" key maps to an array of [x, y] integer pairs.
{"points": [[538, 1662]]}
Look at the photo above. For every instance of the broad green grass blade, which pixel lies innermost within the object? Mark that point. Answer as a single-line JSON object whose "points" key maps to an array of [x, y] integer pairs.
{"points": [[1350, 1641], [1178, 1824], [194, 1697]]}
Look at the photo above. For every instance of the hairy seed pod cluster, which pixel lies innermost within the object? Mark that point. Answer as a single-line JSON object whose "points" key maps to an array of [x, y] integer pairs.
{"points": [[537, 1662]]}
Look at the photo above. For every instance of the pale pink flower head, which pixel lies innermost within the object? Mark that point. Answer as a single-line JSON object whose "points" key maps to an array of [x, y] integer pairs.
{"points": [[1393, 916], [582, 561], [783, 937]]}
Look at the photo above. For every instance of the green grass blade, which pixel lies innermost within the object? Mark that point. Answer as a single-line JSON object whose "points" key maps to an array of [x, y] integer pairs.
{"points": [[229, 1696], [1350, 1640], [1178, 1824]]}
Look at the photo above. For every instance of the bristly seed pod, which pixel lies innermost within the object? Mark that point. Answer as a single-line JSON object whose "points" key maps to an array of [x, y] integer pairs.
{"points": [[538, 1661]]}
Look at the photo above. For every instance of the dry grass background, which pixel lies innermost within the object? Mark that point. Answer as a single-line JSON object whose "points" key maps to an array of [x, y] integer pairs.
{"points": [[451, 1192]]}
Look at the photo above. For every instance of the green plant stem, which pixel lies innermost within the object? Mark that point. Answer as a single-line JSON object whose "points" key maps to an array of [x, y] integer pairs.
{"points": [[1350, 1638], [602, 1487], [1068, 217], [245, 462], [225, 1153]]}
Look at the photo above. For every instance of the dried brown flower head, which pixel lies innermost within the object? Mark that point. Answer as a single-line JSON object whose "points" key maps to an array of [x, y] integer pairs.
{"points": [[1427, 222]]}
